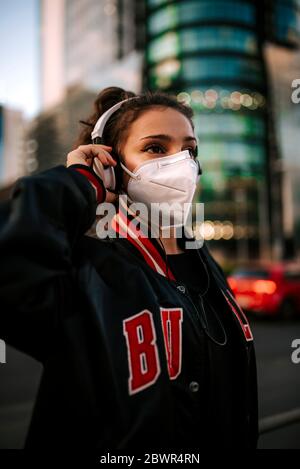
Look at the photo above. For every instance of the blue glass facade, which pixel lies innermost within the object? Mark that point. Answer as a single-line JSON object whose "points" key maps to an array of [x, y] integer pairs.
{"points": [[210, 54]]}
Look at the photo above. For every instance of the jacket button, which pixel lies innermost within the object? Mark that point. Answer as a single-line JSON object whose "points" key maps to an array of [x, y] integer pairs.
{"points": [[194, 386]]}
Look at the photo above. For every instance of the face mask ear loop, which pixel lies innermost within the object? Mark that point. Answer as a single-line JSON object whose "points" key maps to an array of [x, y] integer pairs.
{"points": [[133, 175]]}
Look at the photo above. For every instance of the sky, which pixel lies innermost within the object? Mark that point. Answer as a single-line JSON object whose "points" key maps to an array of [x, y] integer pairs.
{"points": [[19, 48]]}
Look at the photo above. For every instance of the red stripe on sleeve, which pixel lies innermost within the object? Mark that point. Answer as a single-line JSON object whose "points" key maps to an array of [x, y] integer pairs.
{"points": [[101, 192]]}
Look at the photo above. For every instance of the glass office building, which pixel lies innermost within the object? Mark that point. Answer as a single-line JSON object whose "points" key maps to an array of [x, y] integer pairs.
{"points": [[210, 54]]}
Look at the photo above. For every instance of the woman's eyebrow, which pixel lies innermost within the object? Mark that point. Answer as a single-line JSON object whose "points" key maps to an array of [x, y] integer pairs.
{"points": [[168, 137]]}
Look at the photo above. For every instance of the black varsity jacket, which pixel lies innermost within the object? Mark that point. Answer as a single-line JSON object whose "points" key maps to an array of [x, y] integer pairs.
{"points": [[121, 341]]}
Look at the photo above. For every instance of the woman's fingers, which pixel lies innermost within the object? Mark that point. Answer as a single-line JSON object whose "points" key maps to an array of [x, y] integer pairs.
{"points": [[84, 154], [106, 158], [100, 151]]}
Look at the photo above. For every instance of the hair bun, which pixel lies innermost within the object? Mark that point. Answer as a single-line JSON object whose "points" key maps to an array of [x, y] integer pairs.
{"points": [[108, 97], [104, 100]]}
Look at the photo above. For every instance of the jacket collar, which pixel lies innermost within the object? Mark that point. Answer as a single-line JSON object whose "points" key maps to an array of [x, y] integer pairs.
{"points": [[127, 224]]}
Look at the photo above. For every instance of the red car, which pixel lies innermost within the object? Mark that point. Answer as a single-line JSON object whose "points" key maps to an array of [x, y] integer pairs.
{"points": [[268, 289]]}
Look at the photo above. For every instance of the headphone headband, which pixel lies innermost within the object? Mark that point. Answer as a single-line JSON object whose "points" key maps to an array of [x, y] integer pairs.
{"points": [[100, 124]]}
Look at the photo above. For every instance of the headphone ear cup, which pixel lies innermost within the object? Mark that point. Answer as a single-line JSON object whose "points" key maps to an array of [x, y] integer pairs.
{"points": [[200, 171], [105, 172]]}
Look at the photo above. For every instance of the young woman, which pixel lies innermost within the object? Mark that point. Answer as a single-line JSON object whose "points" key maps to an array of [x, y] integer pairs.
{"points": [[142, 341]]}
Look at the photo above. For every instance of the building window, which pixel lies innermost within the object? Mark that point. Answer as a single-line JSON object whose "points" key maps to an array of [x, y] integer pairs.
{"points": [[229, 125], [235, 158], [202, 39], [194, 11], [219, 67]]}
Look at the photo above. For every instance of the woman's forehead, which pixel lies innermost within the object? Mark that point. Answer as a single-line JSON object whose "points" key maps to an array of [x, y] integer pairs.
{"points": [[160, 121]]}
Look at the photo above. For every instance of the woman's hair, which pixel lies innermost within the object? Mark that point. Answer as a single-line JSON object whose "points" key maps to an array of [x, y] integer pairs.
{"points": [[117, 127]]}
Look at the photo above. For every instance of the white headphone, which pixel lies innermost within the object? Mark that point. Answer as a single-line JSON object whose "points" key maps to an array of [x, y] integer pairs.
{"points": [[112, 174]]}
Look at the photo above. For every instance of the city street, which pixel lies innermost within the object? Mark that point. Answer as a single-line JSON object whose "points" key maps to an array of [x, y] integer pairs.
{"points": [[279, 386], [279, 378]]}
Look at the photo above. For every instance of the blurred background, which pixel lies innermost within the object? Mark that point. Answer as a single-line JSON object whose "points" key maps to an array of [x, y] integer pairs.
{"points": [[235, 63]]}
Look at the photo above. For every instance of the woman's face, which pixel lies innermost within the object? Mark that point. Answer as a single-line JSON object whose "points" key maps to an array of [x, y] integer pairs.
{"points": [[173, 133]]}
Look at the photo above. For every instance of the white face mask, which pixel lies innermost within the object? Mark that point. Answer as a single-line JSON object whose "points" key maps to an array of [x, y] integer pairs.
{"points": [[171, 180]]}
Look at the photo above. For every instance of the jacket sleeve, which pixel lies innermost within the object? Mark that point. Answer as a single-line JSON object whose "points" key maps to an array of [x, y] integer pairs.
{"points": [[39, 226]]}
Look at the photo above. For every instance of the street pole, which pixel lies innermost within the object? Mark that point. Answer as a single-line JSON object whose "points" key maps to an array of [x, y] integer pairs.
{"points": [[242, 221], [264, 227]]}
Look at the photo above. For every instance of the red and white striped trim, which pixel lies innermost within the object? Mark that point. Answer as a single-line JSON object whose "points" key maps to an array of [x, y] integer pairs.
{"points": [[239, 314], [123, 226], [100, 190]]}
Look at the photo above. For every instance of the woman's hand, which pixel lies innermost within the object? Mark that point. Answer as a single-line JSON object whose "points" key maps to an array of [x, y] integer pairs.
{"points": [[85, 155]]}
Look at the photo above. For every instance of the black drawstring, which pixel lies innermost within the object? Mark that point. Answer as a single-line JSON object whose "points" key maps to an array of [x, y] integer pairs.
{"points": [[201, 296], [214, 312], [219, 321]]}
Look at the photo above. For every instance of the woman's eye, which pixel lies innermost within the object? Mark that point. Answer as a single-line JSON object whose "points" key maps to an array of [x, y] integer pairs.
{"points": [[155, 148]]}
